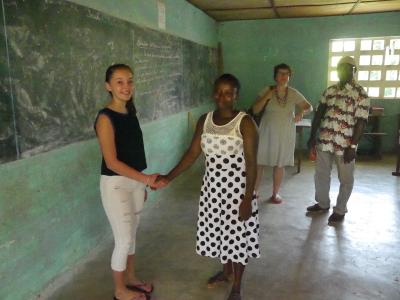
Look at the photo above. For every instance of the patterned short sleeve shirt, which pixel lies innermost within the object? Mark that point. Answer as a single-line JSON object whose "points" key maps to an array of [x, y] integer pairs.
{"points": [[344, 107]]}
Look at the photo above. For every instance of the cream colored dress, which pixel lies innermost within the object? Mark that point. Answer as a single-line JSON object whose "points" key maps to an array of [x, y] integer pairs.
{"points": [[277, 131]]}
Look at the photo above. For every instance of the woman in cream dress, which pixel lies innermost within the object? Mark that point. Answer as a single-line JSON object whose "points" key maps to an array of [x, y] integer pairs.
{"points": [[277, 131]]}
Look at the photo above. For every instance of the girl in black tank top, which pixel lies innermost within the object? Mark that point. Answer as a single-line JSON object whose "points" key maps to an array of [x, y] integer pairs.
{"points": [[128, 141], [122, 183]]}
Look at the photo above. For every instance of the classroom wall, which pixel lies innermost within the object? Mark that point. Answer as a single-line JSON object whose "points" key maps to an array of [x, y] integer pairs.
{"points": [[183, 19], [252, 48], [50, 210]]}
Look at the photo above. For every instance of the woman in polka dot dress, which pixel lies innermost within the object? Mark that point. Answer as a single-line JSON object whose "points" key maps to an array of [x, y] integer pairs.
{"points": [[228, 226]]}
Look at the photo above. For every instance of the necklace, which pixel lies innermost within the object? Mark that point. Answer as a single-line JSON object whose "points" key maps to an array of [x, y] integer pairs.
{"points": [[281, 100]]}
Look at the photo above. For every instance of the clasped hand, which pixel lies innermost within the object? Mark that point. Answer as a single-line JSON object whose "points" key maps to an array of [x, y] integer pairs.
{"points": [[158, 181]]}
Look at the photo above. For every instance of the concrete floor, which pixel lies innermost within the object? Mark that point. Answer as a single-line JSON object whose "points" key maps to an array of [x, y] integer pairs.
{"points": [[302, 257]]}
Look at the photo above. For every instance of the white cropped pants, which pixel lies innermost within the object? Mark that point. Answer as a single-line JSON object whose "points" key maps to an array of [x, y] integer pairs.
{"points": [[123, 200]]}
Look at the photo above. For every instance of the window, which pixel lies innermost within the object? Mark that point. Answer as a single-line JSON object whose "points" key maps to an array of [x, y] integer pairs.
{"points": [[378, 61]]}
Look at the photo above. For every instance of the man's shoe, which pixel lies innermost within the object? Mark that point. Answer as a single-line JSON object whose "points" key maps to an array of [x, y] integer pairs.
{"points": [[316, 208], [335, 217]]}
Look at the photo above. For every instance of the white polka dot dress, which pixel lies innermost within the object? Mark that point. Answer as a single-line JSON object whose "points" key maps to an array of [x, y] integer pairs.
{"points": [[219, 231]]}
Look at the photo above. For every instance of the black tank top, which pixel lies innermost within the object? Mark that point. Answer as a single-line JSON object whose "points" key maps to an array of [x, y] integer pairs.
{"points": [[128, 141]]}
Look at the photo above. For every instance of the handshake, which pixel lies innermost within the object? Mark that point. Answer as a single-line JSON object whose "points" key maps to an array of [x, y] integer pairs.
{"points": [[157, 181]]}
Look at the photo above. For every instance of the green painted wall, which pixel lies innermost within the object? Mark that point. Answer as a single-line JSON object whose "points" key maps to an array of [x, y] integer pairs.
{"points": [[182, 20], [252, 48], [50, 209]]}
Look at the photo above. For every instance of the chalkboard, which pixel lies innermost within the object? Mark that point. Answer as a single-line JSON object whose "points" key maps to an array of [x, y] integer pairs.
{"points": [[59, 52], [7, 134]]}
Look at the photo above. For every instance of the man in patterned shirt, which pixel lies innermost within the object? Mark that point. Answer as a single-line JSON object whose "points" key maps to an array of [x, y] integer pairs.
{"points": [[340, 119]]}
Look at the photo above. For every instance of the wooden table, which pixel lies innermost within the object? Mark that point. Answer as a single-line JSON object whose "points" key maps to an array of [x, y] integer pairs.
{"points": [[374, 134], [305, 123]]}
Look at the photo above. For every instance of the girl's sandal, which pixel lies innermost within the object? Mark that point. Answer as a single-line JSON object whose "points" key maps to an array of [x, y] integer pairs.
{"points": [[218, 279], [141, 287]]}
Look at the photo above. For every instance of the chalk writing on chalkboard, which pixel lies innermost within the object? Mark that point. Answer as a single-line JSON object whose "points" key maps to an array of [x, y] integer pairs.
{"points": [[59, 52]]}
